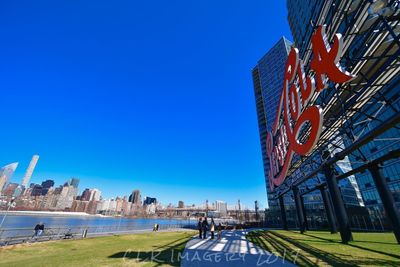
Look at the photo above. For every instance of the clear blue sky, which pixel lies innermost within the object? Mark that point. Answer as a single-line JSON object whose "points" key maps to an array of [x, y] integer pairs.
{"points": [[154, 95]]}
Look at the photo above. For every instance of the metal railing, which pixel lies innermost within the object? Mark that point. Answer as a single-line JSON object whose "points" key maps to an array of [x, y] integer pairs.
{"points": [[11, 236]]}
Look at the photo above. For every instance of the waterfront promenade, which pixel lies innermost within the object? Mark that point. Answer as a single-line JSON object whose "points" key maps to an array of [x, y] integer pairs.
{"points": [[233, 249]]}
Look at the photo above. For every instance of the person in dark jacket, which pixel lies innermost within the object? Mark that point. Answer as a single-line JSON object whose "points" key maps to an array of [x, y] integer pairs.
{"points": [[205, 227], [39, 228], [200, 228]]}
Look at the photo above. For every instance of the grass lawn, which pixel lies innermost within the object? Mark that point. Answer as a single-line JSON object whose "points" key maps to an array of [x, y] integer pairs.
{"points": [[122, 250], [317, 248]]}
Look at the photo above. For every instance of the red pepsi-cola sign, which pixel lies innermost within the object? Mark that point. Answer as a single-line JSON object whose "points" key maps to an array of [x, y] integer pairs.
{"points": [[294, 110]]}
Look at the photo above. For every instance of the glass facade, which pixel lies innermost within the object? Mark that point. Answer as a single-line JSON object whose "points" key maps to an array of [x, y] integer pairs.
{"points": [[271, 69], [371, 52], [268, 82], [6, 173], [388, 141], [302, 16]]}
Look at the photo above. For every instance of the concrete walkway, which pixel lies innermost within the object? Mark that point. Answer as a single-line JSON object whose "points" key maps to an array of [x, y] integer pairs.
{"points": [[231, 250]]}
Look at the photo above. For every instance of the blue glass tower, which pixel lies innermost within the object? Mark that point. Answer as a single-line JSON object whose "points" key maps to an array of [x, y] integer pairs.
{"points": [[366, 37], [268, 82]]}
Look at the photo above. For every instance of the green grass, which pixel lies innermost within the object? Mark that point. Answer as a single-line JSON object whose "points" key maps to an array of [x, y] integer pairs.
{"points": [[317, 248], [123, 250]]}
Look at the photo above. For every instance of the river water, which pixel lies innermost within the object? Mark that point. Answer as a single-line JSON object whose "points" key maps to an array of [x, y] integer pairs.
{"points": [[27, 221]]}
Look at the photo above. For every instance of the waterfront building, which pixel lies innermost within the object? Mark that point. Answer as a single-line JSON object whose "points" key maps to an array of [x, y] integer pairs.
{"points": [[46, 186], [36, 190], [66, 197], [90, 195], [149, 201], [370, 49], [151, 208], [18, 191], [85, 195], [84, 206], [29, 170], [303, 17], [107, 207], [9, 190], [135, 197], [221, 207], [6, 173], [119, 205], [49, 200], [267, 83], [73, 182], [79, 206], [28, 191], [126, 206], [95, 194], [91, 207]]}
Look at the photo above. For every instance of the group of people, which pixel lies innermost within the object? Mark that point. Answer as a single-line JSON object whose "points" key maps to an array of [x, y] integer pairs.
{"points": [[203, 226]]}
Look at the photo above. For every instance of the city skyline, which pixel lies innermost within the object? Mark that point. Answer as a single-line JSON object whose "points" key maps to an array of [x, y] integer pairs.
{"points": [[74, 181], [103, 101]]}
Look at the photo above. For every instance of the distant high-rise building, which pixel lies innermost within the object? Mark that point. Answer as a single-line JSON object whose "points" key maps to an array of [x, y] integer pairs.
{"points": [[29, 171], [181, 204], [150, 200], [18, 191], [58, 190], [74, 182], [91, 195], [135, 197], [6, 173], [48, 183], [268, 83], [85, 195], [66, 197], [37, 190], [9, 190], [95, 194], [221, 207], [46, 186]]}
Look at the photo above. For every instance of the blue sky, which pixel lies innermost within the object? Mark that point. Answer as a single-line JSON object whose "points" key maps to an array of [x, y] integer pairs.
{"points": [[154, 95]]}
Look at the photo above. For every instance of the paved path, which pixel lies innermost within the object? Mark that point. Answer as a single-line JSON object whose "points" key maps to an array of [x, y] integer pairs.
{"points": [[231, 250]]}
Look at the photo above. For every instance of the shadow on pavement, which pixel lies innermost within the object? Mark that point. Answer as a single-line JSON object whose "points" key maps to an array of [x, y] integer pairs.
{"points": [[311, 255]]}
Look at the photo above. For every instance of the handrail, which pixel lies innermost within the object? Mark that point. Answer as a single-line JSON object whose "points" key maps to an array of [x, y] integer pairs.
{"points": [[24, 234]]}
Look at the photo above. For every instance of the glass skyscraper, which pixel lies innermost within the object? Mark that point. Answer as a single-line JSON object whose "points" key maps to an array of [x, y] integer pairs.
{"points": [[29, 171], [268, 82], [368, 46], [350, 110], [6, 173]]}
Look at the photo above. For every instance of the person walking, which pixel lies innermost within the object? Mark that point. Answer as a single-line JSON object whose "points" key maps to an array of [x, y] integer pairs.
{"points": [[205, 227], [219, 231], [39, 228], [36, 229], [212, 228], [200, 227]]}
